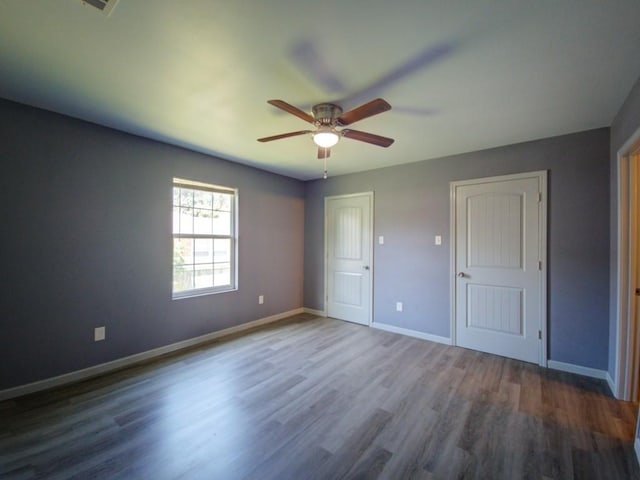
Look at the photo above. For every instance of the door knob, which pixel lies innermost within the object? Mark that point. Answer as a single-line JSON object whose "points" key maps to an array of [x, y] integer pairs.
{"points": [[461, 274], [366, 267]]}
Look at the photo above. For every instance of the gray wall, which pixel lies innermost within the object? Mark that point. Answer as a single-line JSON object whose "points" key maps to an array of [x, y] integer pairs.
{"points": [[412, 205], [86, 241], [625, 124], [85, 211]]}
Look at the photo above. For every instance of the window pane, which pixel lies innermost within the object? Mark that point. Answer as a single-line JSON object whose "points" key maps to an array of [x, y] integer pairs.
{"points": [[182, 278], [186, 220], [203, 250], [202, 199], [176, 220], [204, 276], [182, 251], [222, 201], [202, 263], [221, 275], [186, 197], [222, 250], [202, 221], [221, 223]]}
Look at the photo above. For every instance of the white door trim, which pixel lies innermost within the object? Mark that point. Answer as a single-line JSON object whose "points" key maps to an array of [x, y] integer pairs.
{"points": [[326, 249], [542, 182], [624, 379]]}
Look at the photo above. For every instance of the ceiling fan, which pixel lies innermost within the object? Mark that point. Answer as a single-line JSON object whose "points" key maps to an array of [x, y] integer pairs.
{"points": [[326, 117]]}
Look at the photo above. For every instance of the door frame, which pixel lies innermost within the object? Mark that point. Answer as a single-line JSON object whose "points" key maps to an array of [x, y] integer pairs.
{"points": [[627, 365], [541, 175], [326, 249]]}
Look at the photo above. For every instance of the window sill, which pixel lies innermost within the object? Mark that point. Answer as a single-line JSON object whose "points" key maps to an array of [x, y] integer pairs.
{"points": [[201, 293]]}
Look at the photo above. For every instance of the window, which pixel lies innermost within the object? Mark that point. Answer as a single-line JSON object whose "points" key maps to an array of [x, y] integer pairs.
{"points": [[204, 238]]}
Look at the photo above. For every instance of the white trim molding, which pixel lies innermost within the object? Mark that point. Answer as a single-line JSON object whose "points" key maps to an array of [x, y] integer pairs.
{"points": [[313, 311], [625, 380], [612, 385], [578, 369], [137, 358], [411, 333]]}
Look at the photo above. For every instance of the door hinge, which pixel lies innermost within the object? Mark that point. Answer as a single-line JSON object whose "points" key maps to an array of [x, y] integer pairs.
{"points": [[539, 197], [540, 265], [539, 334]]}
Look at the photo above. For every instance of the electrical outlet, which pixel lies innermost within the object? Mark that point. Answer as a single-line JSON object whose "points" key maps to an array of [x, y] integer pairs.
{"points": [[398, 306], [260, 299], [99, 334]]}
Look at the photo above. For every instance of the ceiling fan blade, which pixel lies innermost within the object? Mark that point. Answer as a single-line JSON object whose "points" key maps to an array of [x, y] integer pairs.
{"points": [[323, 153], [367, 137], [370, 109], [292, 110], [284, 135], [308, 57], [423, 60]]}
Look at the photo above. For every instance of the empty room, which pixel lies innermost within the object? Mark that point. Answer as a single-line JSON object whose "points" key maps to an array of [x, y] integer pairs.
{"points": [[320, 240]]}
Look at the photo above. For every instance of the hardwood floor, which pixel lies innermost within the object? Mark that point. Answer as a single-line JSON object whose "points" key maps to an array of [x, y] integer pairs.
{"points": [[313, 398]]}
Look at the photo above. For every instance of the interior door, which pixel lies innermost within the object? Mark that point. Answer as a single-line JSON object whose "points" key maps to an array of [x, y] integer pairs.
{"points": [[498, 265], [634, 268], [349, 236]]}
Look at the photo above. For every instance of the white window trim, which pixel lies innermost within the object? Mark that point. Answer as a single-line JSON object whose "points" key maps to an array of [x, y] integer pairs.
{"points": [[233, 286]]}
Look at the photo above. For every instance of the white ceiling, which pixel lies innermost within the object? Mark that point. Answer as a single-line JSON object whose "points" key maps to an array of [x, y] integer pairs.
{"points": [[460, 75]]}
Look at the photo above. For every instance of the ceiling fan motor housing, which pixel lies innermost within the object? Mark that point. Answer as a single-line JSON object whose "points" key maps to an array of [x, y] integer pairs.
{"points": [[326, 113]]}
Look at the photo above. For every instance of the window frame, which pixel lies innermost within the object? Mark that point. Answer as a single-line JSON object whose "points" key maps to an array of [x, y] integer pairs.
{"points": [[232, 237]]}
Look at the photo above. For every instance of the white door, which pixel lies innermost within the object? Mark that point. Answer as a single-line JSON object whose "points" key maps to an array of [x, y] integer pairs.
{"points": [[349, 235], [499, 267], [634, 266]]}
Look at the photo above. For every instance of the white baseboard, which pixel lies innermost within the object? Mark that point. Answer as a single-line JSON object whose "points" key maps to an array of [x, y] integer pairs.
{"points": [[319, 313], [136, 358], [578, 369], [411, 333], [612, 386]]}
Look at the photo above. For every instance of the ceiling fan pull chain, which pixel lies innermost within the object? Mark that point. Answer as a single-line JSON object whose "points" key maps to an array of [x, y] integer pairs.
{"points": [[325, 168]]}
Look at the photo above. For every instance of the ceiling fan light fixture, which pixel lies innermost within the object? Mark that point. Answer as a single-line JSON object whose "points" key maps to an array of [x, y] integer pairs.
{"points": [[326, 138]]}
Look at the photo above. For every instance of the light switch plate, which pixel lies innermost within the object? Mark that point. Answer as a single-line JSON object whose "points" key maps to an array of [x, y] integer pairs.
{"points": [[381, 240], [438, 240], [398, 306]]}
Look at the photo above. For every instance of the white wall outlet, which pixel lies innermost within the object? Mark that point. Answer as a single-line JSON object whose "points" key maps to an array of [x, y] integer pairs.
{"points": [[381, 240], [398, 306], [438, 240], [99, 334], [260, 299]]}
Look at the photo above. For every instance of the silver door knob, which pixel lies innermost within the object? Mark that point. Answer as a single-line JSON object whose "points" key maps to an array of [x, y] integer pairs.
{"points": [[461, 275], [366, 267]]}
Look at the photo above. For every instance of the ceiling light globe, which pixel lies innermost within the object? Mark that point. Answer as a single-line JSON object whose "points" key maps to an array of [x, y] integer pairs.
{"points": [[326, 139]]}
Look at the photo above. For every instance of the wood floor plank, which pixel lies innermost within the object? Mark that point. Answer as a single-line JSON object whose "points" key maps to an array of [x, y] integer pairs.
{"points": [[315, 398]]}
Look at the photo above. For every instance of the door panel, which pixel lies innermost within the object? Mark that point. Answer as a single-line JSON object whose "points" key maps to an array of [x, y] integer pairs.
{"points": [[494, 230], [498, 249], [349, 258], [495, 308]]}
